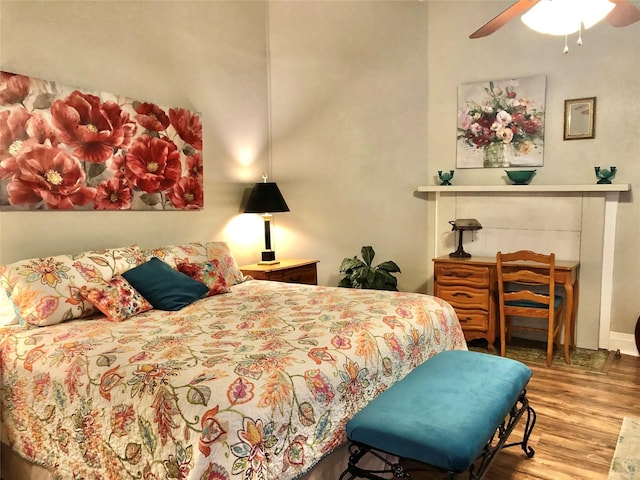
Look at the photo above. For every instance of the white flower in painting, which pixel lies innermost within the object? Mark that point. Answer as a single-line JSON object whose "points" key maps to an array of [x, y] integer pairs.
{"points": [[503, 118]]}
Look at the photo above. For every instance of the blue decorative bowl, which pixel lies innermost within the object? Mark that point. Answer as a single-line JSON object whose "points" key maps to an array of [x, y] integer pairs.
{"points": [[520, 177]]}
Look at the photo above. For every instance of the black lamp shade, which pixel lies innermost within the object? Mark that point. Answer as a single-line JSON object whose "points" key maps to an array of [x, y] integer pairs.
{"points": [[265, 198]]}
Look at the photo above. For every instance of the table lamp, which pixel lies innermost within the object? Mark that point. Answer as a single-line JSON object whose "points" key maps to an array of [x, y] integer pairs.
{"points": [[265, 198]]}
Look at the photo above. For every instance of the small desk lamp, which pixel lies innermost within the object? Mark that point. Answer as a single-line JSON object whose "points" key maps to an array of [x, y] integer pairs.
{"points": [[462, 225], [265, 198]]}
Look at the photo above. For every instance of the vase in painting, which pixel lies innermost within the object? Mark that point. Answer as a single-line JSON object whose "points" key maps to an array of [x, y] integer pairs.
{"points": [[493, 155]]}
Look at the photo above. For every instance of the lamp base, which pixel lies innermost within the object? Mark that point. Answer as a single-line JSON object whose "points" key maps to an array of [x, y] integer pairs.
{"points": [[268, 258]]}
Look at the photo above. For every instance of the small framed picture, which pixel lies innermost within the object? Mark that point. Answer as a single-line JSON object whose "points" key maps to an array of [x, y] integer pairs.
{"points": [[580, 118]]}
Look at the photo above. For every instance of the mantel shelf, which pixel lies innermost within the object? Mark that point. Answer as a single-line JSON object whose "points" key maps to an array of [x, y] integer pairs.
{"points": [[596, 188]]}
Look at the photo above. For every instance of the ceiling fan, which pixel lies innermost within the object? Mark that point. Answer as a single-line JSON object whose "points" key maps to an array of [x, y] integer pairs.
{"points": [[620, 14]]}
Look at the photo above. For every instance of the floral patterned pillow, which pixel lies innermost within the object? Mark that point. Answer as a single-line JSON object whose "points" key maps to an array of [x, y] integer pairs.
{"points": [[208, 273], [117, 299], [47, 290], [228, 267], [174, 254]]}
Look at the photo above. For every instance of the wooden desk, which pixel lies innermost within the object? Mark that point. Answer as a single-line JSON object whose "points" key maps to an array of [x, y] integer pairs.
{"points": [[467, 282]]}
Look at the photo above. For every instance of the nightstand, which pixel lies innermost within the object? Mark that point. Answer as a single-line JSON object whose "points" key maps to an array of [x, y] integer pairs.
{"points": [[290, 271]]}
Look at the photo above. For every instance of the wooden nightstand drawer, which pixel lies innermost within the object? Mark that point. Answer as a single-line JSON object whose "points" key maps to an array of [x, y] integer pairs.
{"points": [[289, 271], [306, 274], [471, 275], [473, 320], [464, 297]]}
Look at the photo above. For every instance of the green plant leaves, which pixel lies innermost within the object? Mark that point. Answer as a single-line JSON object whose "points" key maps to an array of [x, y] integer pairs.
{"points": [[367, 253], [359, 274]]}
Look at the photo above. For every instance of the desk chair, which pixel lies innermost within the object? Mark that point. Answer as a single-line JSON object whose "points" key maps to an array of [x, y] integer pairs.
{"points": [[526, 288]]}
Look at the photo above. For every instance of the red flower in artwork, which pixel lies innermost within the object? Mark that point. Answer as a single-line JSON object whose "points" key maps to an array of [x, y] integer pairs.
{"points": [[51, 175], [187, 194], [117, 166], [151, 117], [94, 129], [113, 194], [13, 88], [194, 165], [188, 126], [19, 131], [13, 134], [153, 164]]}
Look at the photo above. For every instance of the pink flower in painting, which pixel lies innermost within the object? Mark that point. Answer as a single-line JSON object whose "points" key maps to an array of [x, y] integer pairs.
{"points": [[13, 88], [187, 194], [19, 131], [94, 129], [151, 117], [113, 194], [51, 175], [188, 126], [153, 164]]}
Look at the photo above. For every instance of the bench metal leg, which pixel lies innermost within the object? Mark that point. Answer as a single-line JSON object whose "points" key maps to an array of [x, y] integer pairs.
{"points": [[502, 433]]}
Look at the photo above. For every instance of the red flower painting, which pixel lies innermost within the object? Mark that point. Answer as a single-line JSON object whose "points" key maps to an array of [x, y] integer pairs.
{"points": [[64, 149]]}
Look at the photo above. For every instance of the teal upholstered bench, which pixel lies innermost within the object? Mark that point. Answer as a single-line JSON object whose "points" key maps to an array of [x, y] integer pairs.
{"points": [[451, 414]]}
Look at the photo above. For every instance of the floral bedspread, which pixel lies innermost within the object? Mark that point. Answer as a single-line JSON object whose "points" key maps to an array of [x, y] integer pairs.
{"points": [[253, 384]]}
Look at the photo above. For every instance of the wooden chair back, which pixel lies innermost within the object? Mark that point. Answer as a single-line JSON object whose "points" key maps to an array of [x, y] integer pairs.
{"points": [[526, 288]]}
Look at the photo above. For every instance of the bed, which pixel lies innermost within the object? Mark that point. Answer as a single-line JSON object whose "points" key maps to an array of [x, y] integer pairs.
{"points": [[256, 381]]}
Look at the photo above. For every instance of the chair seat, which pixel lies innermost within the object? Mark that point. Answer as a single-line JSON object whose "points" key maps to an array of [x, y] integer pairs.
{"points": [[557, 301]]}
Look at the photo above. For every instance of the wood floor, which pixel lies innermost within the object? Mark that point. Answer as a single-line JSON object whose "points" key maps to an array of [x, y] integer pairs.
{"points": [[578, 420]]}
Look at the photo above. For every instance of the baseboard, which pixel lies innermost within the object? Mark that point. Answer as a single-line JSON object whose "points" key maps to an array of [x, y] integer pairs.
{"points": [[625, 342]]}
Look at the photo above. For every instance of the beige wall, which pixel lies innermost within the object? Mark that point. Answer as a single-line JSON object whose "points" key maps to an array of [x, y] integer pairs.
{"points": [[205, 56], [363, 110], [607, 66], [349, 116]]}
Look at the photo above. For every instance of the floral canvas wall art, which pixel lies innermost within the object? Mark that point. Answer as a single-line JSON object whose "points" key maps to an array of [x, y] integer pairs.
{"points": [[65, 149], [501, 123]]}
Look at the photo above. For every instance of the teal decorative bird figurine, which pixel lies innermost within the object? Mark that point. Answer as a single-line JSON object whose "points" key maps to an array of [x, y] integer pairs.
{"points": [[605, 175], [445, 177]]}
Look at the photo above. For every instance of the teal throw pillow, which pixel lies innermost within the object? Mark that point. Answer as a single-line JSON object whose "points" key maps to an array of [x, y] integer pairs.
{"points": [[164, 287]]}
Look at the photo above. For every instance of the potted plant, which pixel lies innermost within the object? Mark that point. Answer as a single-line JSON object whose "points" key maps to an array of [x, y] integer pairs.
{"points": [[361, 274]]}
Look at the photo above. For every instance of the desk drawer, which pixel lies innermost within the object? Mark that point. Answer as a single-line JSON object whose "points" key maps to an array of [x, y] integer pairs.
{"points": [[464, 297], [457, 274], [476, 320], [473, 320]]}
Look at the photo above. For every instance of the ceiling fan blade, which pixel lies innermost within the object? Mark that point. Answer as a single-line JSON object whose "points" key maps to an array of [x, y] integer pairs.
{"points": [[503, 18], [623, 14]]}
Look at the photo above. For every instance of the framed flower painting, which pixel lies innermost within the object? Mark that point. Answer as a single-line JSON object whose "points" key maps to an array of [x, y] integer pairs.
{"points": [[501, 123], [65, 149]]}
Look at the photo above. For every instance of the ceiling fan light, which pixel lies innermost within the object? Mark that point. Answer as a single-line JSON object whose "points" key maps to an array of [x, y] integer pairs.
{"points": [[563, 17]]}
